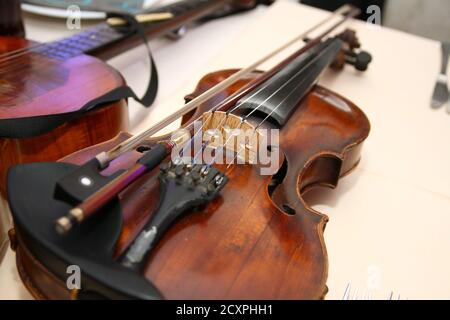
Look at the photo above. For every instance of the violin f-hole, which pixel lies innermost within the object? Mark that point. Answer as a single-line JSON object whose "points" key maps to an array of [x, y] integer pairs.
{"points": [[278, 179], [324, 171]]}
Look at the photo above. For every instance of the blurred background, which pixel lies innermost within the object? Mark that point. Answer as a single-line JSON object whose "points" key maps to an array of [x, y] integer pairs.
{"points": [[427, 18]]}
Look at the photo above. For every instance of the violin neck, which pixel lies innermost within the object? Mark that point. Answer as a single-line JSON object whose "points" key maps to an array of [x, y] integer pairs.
{"points": [[278, 97], [105, 42]]}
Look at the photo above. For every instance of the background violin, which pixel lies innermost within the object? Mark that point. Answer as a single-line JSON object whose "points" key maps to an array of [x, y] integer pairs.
{"points": [[255, 239], [41, 80]]}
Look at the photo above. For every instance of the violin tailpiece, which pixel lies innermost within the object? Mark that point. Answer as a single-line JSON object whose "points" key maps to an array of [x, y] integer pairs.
{"points": [[183, 188]]}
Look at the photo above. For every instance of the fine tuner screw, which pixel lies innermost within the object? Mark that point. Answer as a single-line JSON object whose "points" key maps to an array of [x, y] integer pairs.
{"points": [[194, 175], [360, 60]]}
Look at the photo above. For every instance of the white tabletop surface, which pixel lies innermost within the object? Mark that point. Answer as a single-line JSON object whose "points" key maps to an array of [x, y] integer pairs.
{"points": [[389, 227]]}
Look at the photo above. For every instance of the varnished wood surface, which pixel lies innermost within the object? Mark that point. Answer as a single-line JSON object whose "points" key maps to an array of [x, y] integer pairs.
{"points": [[11, 22], [33, 84], [36, 85], [162, 28], [245, 244]]}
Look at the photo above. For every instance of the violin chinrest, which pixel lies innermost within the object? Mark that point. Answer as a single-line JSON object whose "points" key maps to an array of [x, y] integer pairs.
{"points": [[90, 247]]}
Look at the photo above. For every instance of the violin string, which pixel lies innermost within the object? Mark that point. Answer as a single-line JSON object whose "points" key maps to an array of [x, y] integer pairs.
{"points": [[266, 118], [318, 56], [226, 117], [238, 105], [225, 144], [213, 110], [205, 144], [7, 56], [23, 51], [275, 92], [260, 124], [26, 51], [9, 53], [16, 53], [106, 157], [183, 150], [228, 168], [220, 126], [22, 62]]}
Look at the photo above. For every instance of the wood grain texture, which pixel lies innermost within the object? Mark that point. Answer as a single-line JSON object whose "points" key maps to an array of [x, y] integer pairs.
{"points": [[246, 244], [34, 85]]}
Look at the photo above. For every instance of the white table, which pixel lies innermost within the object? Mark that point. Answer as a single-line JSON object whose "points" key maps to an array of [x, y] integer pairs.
{"points": [[390, 219]]}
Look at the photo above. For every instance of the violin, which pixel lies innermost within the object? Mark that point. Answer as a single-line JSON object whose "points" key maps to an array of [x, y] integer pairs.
{"points": [[146, 217], [40, 83]]}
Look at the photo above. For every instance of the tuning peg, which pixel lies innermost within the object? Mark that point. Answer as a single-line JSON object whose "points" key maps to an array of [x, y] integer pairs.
{"points": [[360, 60]]}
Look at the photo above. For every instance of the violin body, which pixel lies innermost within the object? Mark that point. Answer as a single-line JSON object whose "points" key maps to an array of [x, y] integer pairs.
{"points": [[259, 239], [36, 84]]}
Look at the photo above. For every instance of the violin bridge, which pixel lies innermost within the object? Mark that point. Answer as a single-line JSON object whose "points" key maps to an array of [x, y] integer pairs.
{"points": [[233, 134], [181, 137]]}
